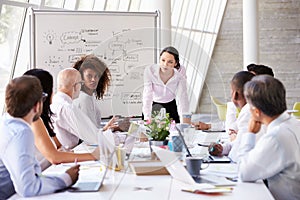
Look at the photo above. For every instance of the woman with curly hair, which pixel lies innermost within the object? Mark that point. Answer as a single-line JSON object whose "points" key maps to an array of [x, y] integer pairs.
{"points": [[96, 77]]}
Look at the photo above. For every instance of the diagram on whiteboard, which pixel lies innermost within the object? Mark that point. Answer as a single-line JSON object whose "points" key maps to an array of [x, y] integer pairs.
{"points": [[120, 40]]}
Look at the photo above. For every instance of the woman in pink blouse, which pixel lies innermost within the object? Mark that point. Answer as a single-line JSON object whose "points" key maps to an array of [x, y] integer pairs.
{"points": [[165, 86]]}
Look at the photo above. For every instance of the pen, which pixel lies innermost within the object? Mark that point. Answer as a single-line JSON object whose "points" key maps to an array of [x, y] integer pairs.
{"points": [[93, 145], [203, 145], [193, 191]]}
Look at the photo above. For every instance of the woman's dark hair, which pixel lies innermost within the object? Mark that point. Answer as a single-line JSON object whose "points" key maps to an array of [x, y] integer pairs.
{"points": [[94, 63], [46, 80], [174, 52], [260, 69]]}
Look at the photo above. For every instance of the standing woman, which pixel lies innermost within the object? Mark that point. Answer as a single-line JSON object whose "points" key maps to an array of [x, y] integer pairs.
{"points": [[96, 77], [165, 86]]}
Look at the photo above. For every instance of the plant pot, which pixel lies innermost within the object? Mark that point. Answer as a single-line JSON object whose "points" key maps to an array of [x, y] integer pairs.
{"points": [[157, 143]]}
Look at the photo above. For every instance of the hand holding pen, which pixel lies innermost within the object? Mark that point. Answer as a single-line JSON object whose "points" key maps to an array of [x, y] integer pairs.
{"points": [[215, 149], [74, 172]]}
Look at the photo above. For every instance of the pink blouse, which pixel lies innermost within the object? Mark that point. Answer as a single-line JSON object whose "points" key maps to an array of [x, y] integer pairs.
{"points": [[156, 90]]}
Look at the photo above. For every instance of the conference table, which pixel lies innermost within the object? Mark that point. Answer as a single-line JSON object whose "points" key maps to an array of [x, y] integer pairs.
{"points": [[125, 184]]}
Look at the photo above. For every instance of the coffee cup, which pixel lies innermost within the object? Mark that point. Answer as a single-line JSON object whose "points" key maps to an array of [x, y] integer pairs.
{"points": [[187, 118], [193, 165]]}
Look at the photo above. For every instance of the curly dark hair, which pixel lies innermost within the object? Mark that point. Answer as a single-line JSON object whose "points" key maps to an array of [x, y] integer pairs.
{"points": [[94, 63]]}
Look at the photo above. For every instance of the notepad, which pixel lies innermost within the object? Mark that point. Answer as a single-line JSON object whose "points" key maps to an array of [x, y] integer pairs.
{"points": [[148, 168]]}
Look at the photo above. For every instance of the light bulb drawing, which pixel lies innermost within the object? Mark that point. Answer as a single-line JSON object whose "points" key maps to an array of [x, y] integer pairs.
{"points": [[50, 38]]}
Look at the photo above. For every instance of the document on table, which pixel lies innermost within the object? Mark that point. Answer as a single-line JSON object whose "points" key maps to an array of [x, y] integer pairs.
{"points": [[225, 170]]}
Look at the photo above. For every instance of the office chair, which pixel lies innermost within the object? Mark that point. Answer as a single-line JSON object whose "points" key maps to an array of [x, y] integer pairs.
{"points": [[296, 107], [221, 108]]}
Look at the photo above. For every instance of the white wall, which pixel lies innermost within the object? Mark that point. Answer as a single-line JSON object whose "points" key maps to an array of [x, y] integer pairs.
{"points": [[279, 42]]}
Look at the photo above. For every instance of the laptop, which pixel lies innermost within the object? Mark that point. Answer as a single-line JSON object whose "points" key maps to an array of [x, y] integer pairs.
{"points": [[207, 159], [179, 172], [107, 151], [88, 186]]}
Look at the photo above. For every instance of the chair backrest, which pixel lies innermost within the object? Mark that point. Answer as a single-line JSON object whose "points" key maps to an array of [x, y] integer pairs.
{"points": [[296, 107], [221, 108]]}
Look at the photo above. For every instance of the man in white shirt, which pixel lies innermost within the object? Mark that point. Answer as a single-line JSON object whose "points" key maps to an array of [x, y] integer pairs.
{"points": [[19, 170], [70, 123], [237, 87], [232, 111], [276, 156]]}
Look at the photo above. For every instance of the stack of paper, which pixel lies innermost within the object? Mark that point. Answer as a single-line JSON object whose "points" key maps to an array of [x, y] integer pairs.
{"points": [[148, 168], [205, 188], [224, 170]]}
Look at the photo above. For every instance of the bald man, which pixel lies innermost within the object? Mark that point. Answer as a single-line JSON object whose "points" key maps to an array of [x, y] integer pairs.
{"points": [[70, 124]]}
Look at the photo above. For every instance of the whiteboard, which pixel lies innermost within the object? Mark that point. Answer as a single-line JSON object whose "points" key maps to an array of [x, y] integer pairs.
{"points": [[126, 41]]}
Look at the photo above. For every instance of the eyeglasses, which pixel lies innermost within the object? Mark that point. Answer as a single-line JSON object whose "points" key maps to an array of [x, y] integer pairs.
{"points": [[79, 82], [44, 96]]}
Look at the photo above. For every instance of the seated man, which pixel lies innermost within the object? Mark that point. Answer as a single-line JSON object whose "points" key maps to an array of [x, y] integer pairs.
{"points": [[70, 123], [19, 169], [276, 156], [237, 87], [232, 111], [232, 114]]}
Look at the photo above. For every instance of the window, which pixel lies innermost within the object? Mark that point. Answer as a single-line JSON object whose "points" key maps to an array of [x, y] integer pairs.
{"points": [[195, 25]]}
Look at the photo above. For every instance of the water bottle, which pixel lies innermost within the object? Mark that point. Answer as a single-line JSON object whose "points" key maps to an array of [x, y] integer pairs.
{"points": [[162, 113], [177, 142]]}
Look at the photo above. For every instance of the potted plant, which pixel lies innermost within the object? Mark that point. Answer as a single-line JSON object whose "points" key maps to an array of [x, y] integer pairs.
{"points": [[158, 128]]}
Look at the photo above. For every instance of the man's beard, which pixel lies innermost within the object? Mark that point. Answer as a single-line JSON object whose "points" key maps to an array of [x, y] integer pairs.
{"points": [[37, 116]]}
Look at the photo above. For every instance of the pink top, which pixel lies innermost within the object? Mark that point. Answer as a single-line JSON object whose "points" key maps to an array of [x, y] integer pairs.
{"points": [[182, 71], [156, 90]]}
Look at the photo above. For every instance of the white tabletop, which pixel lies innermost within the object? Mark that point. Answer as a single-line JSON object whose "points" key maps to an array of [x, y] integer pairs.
{"points": [[126, 185]]}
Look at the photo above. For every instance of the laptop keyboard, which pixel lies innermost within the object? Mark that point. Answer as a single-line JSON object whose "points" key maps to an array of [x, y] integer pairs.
{"points": [[201, 180], [87, 185]]}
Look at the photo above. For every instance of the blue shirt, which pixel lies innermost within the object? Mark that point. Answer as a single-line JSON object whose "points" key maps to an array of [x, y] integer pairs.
{"points": [[19, 169]]}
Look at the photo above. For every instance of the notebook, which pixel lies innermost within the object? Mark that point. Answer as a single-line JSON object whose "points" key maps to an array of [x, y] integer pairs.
{"points": [[178, 171]]}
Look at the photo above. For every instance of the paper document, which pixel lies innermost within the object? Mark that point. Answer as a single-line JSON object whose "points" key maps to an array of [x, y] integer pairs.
{"points": [[204, 188], [224, 170]]}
